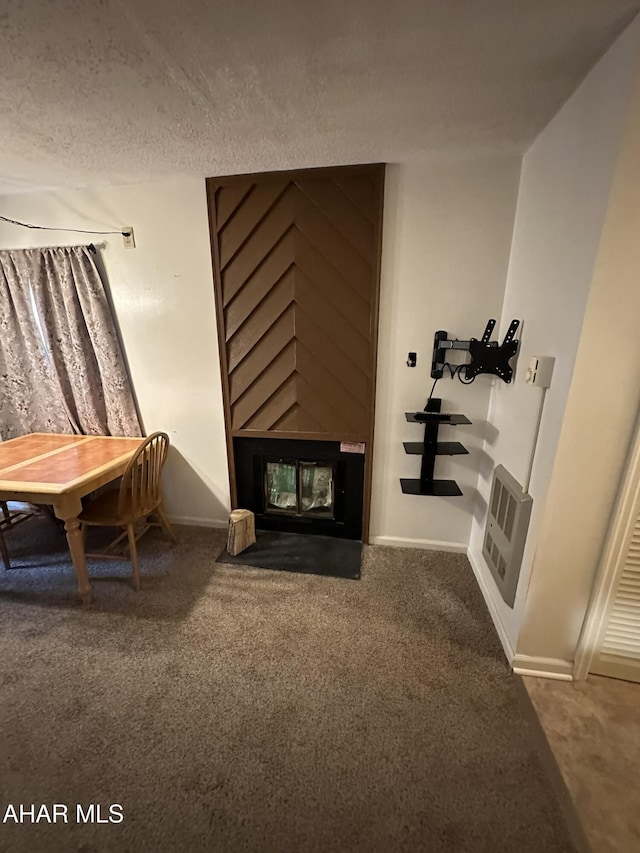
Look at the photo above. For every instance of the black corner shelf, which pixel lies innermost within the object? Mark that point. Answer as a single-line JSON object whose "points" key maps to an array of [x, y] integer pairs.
{"points": [[437, 488], [429, 448], [440, 418], [443, 448]]}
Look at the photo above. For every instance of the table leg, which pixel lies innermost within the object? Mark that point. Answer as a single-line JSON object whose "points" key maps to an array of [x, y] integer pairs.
{"points": [[68, 510], [76, 547]]}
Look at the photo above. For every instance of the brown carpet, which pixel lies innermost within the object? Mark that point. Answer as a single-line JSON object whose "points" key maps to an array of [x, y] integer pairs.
{"points": [[237, 709]]}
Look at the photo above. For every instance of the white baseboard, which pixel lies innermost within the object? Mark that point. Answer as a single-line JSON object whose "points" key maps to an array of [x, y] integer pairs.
{"points": [[195, 521], [560, 670], [426, 544], [493, 610]]}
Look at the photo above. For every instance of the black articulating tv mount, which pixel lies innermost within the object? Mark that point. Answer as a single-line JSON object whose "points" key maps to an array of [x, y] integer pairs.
{"points": [[487, 356]]}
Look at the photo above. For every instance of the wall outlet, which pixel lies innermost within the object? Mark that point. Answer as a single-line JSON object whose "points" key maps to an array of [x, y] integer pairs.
{"points": [[128, 238], [540, 371]]}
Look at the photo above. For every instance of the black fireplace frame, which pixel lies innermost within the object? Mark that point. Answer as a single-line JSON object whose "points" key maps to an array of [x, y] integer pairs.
{"points": [[251, 454]]}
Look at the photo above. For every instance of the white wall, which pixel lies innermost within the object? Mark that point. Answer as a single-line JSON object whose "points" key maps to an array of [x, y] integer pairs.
{"points": [[163, 297], [564, 190], [447, 232], [598, 425]]}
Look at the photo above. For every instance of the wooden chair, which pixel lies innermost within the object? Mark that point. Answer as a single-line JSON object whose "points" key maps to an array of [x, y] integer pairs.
{"points": [[10, 518], [138, 497]]}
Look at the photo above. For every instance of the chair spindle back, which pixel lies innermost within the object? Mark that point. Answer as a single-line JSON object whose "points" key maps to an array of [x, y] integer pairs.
{"points": [[140, 487]]}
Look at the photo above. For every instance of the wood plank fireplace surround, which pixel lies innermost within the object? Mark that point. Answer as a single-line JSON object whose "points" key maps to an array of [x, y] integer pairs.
{"points": [[296, 262]]}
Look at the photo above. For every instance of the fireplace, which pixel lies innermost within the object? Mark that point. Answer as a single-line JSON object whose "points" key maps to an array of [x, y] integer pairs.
{"points": [[301, 486]]}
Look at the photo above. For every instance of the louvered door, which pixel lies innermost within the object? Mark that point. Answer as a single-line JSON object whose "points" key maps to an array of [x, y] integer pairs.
{"points": [[614, 619], [296, 260], [619, 647]]}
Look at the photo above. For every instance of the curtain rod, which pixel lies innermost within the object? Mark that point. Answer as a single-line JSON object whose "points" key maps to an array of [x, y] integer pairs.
{"points": [[90, 247], [125, 232]]}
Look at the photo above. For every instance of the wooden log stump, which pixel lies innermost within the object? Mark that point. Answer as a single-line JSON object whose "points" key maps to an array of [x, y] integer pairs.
{"points": [[242, 531]]}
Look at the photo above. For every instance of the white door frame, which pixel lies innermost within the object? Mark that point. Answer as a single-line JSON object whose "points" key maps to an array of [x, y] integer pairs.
{"points": [[622, 520]]}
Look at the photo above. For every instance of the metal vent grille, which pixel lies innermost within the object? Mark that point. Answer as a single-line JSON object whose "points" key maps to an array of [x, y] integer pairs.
{"points": [[506, 531]]}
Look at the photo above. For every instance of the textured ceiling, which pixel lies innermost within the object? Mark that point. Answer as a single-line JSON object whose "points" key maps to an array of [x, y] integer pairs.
{"points": [[107, 91]]}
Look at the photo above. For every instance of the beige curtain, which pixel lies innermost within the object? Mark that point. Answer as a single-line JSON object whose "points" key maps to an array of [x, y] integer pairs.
{"points": [[61, 366]]}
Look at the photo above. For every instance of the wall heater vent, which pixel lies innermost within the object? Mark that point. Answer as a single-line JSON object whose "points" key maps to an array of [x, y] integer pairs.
{"points": [[506, 531]]}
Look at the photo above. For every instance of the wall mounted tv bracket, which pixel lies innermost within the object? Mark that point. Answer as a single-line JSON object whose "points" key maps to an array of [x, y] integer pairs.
{"points": [[487, 356]]}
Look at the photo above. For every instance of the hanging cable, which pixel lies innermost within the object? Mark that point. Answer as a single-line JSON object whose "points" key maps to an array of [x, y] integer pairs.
{"points": [[527, 479], [456, 370], [71, 230], [465, 381]]}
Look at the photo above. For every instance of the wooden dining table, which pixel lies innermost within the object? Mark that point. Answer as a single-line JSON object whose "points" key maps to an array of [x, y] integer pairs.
{"points": [[59, 470]]}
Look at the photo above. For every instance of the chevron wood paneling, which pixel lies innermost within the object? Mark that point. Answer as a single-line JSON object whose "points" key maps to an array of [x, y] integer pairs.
{"points": [[296, 268]]}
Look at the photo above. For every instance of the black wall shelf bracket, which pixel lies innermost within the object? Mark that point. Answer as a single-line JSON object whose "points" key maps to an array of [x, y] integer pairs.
{"points": [[487, 356]]}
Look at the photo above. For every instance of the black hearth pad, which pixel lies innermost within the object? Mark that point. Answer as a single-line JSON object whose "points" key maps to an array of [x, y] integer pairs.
{"points": [[297, 552]]}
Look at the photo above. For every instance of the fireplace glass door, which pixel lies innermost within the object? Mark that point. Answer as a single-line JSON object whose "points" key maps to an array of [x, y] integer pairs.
{"points": [[299, 488], [281, 486]]}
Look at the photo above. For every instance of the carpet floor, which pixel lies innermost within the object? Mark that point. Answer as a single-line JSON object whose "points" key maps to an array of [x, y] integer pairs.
{"points": [[237, 709]]}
